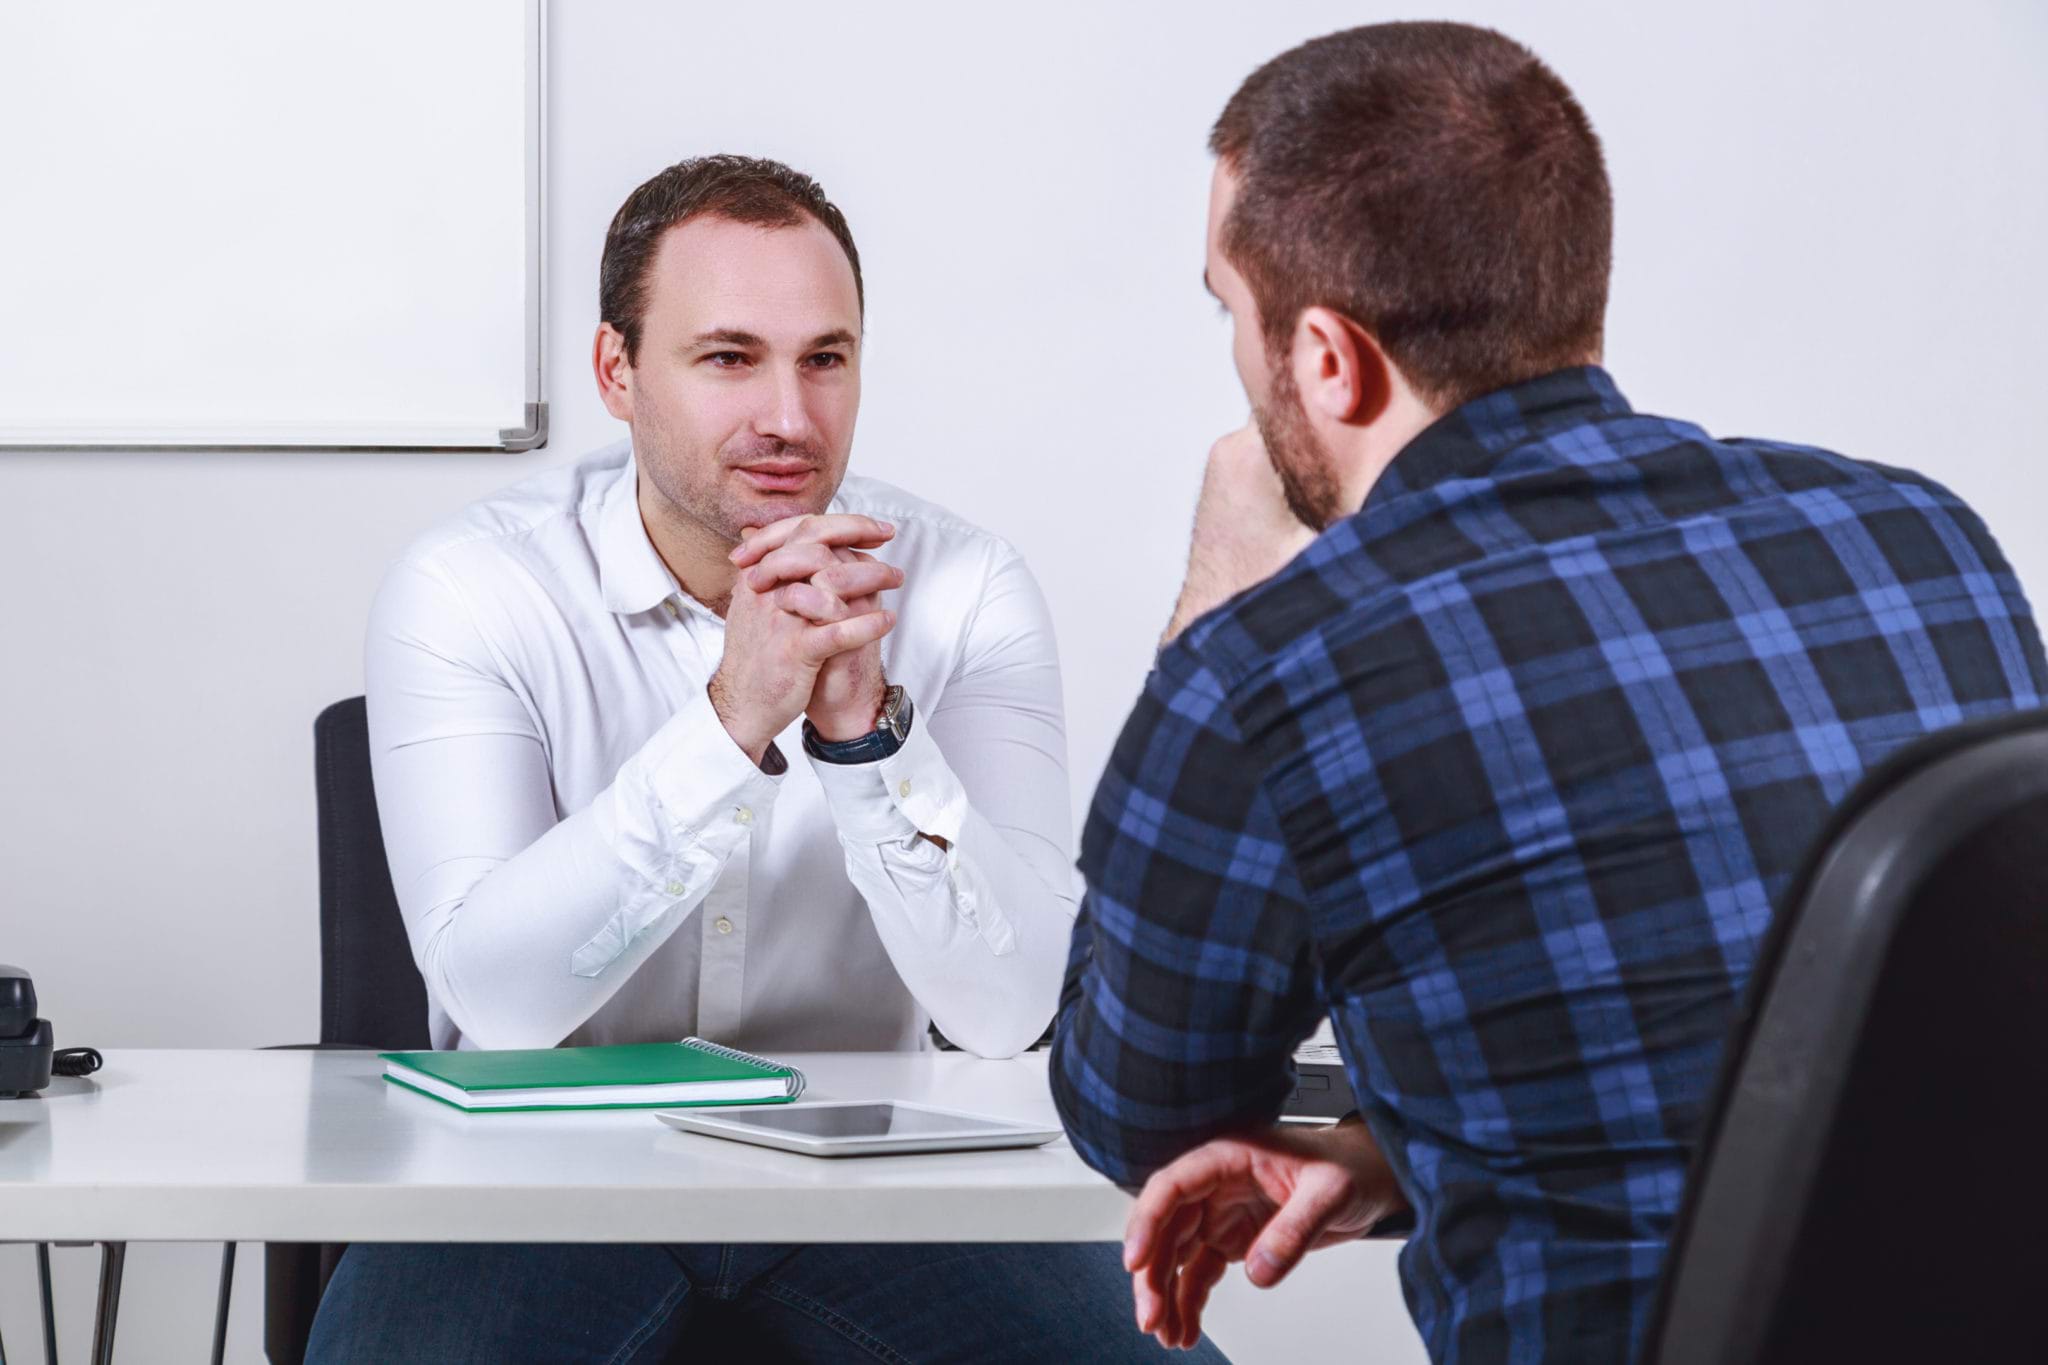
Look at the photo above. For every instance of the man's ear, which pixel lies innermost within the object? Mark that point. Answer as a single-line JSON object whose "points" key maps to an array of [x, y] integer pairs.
{"points": [[614, 372], [1339, 369]]}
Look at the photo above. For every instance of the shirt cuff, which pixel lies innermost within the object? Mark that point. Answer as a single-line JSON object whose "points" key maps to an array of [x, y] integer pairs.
{"points": [[910, 792], [702, 778]]}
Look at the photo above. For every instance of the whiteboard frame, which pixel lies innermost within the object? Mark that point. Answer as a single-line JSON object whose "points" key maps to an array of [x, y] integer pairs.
{"points": [[532, 433]]}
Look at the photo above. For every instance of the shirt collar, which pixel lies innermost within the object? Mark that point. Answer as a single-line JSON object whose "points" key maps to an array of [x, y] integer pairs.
{"points": [[1468, 440], [628, 569]]}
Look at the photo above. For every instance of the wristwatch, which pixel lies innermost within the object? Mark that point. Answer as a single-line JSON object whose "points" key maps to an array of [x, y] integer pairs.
{"points": [[885, 739]]}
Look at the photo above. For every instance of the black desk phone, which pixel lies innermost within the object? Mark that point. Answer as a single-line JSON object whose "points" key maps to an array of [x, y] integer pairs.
{"points": [[28, 1052]]}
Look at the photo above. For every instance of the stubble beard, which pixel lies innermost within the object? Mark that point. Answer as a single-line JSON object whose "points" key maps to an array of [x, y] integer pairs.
{"points": [[715, 510], [1306, 479]]}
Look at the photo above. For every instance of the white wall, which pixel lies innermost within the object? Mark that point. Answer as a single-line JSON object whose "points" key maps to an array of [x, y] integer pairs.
{"points": [[1829, 228]]}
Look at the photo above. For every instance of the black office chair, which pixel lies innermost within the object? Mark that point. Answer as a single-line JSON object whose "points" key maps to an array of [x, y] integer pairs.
{"points": [[371, 994], [371, 997], [1870, 1183]]}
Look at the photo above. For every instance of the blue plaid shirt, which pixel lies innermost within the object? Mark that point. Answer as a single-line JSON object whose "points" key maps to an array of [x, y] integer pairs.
{"points": [[1504, 774]]}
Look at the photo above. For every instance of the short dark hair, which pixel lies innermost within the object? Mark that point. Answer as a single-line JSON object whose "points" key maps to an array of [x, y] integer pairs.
{"points": [[745, 189], [1437, 184]]}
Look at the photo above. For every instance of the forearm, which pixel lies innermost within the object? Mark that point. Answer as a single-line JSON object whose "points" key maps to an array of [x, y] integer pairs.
{"points": [[523, 936], [1205, 587], [1192, 977], [975, 917], [529, 952], [973, 931], [1245, 531]]}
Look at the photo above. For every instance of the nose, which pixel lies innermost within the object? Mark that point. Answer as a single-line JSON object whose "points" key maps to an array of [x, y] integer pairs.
{"points": [[785, 416]]}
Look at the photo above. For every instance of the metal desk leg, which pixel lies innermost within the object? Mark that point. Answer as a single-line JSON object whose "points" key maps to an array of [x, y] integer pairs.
{"points": [[49, 1306], [113, 1256], [220, 1311]]}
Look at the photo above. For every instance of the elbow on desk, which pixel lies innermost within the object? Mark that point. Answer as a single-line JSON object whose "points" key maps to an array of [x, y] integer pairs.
{"points": [[1130, 1141], [1099, 1138], [492, 1020], [492, 1029], [994, 1039], [491, 1034], [1007, 1017]]}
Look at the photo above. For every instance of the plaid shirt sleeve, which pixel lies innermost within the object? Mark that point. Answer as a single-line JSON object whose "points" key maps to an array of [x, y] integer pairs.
{"points": [[1192, 976]]}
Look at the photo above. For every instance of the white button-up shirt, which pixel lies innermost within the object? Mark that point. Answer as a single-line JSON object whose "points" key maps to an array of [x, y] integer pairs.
{"points": [[583, 855]]}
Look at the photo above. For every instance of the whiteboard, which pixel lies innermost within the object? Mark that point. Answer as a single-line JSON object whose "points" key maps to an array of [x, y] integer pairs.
{"points": [[246, 224]]}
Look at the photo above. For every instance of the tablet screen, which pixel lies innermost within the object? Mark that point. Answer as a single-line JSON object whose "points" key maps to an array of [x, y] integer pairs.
{"points": [[861, 1121]]}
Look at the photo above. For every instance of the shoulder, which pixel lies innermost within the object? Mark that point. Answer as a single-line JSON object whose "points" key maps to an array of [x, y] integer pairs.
{"points": [[922, 527], [1801, 469], [484, 567], [1922, 528], [968, 596], [562, 500], [937, 548]]}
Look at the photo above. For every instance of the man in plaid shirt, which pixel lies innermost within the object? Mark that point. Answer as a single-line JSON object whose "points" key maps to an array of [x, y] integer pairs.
{"points": [[1494, 719]]}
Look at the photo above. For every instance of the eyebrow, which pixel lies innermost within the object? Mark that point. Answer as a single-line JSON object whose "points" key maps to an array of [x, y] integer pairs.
{"points": [[734, 336], [728, 336]]}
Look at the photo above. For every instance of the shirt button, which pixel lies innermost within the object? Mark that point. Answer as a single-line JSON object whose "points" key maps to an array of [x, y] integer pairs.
{"points": [[724, 925], [903, 787], [675, 888], [673, 609], [744, 815]]}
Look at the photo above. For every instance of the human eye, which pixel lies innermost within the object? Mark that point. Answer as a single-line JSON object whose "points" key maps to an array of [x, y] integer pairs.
{"points": [[725, 360], [826, 360]]}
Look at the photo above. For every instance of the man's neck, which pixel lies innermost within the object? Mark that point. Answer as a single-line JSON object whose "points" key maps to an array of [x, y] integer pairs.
{"points": [[694, 553], [1377, 447]]}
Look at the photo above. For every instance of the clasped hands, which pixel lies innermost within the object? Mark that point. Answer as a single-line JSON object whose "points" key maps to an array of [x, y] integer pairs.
{"points": [[803, 630], [803, 633]]}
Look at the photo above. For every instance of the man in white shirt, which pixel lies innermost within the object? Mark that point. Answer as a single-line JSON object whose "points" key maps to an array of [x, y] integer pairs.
{"points": [[654, 757]]}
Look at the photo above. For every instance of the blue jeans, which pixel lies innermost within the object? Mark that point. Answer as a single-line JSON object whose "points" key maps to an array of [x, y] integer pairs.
{"points": [[902, 1302]]}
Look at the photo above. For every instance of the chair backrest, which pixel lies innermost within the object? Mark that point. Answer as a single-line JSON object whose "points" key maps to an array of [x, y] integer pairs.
{"points": [[1870, 1183], [371, 994]]}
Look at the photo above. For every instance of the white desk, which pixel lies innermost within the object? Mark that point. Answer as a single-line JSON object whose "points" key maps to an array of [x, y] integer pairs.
{"points": [[310, 1146], [316, 1147]]}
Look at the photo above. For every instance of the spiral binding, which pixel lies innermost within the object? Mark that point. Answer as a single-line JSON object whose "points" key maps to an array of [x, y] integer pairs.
{"points": [[733, 1054]]}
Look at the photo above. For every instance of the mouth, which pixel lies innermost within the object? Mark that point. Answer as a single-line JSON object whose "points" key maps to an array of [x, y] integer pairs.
{"points": [[777, 477]]}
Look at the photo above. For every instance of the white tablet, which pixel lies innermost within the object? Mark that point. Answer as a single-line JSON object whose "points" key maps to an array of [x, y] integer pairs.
{"points": [[858, 1127]]}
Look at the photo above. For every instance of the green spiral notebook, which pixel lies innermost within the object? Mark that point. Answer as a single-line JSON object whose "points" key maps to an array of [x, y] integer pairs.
{"points": [[625, 1076]]}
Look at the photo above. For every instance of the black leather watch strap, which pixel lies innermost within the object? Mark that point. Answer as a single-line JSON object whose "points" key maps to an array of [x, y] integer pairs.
{"points": [[872, 747]]}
